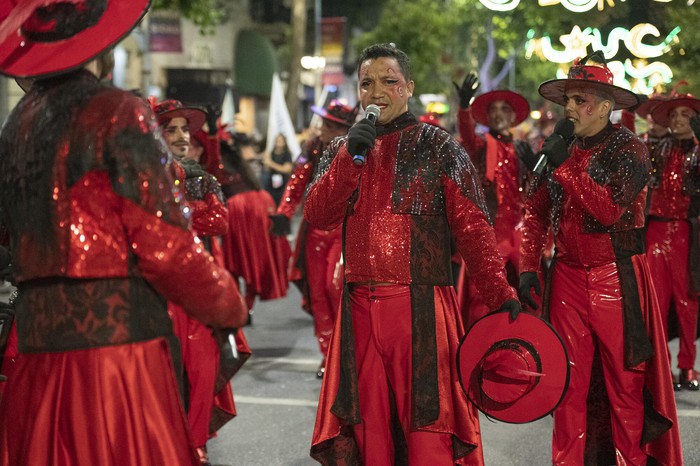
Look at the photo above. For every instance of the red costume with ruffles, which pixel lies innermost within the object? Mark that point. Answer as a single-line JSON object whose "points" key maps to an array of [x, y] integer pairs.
{"points": [[316, 265], [599, 297], [209, 402], [250, 252], [504, 178], [416, 188], [672, 239], [99, 243]]}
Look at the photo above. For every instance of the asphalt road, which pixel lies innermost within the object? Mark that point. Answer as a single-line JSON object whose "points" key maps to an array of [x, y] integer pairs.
{"points": [[276, 393]]}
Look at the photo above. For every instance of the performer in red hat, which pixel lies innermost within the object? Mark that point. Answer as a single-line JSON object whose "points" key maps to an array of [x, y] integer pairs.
{"points": [[99, 243], [673, 248], [655, 133], [316, 266], [201, 354], [503, 165], [391, 393], [598, 294]]}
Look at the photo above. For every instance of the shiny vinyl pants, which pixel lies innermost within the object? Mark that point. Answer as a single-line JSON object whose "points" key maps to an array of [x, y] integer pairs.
{"points": [[586, 310], [382, 328], [667, 255]]}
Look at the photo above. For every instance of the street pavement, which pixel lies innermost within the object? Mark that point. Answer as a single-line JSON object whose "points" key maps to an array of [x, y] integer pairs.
{"points": [[276, 393]]}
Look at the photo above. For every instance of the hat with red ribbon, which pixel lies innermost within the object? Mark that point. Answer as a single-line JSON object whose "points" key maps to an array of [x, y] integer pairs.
{"points": [[171, 108], [591, 78], [661, 112], [48, 37], [519, 104], [514, 371], [337, 112]]}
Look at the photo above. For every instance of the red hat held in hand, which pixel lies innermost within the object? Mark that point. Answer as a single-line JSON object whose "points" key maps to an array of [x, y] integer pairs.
{"points": [[48, 37], [514, 371]]}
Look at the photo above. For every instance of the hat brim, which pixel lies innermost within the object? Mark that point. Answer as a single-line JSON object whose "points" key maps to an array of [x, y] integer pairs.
{"points": [[327, 116], [23, 58], [645, 108], [661, 112], [555, 90], [519, 104], [549, 390], [195, 117]]}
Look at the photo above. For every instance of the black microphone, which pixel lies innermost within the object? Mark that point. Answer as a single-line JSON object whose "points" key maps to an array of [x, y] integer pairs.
{"points": [[564, 129], [372, 114]]}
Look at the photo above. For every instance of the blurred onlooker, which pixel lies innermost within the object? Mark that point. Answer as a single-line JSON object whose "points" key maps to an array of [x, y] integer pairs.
{"points": [[277, 166]]}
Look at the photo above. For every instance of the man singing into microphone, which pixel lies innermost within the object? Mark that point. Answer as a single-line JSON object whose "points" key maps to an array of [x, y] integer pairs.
{"points": [[619, 407], [390, 394]]}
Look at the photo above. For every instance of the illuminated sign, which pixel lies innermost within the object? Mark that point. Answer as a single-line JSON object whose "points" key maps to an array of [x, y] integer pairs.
{"points": [[577, 6]]}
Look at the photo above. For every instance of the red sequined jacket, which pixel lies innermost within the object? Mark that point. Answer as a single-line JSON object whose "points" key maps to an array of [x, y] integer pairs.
{"points": [[416, 188], [594, 202], [94, 222], [675, 180], [301, 177]]}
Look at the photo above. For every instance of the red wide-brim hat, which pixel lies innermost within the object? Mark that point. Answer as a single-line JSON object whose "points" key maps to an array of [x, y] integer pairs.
{"points": [[661, 112], [171, 108], [33, 43], [645, 108], [337, 112], [519, 104], [596, 77], [514, 371]]}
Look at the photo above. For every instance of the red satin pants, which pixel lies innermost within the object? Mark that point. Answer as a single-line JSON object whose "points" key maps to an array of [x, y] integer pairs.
{"points": [[381, 317], [324, 275], [200, 357], [667, 255], [586, 310]]}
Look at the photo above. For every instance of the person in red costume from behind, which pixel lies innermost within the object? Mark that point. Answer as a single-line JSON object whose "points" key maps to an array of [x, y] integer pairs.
{"points": [[203, 195], [503, 165], [99, 243], [672, 239], [391, 394], [316, 267], [619, 407]]}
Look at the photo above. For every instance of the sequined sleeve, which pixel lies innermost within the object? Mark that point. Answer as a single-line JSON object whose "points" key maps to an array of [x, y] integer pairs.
{"points": [[177, 265], [329, 197], [475, 237], [610, 184], [301, 176], [209, 213], [473, 144], [536, 225]]}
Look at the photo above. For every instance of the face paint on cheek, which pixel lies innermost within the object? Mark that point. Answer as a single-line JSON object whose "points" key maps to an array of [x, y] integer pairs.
{"points": [[589, 109], [400, 91]]}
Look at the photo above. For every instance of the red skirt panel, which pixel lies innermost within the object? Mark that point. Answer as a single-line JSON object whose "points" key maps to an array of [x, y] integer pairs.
{"points": [[111, 406], [250, 251]]}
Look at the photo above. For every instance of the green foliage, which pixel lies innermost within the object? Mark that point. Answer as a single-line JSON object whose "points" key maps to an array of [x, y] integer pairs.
{"points": [[448, 38], [205, 14], [422, 29]]}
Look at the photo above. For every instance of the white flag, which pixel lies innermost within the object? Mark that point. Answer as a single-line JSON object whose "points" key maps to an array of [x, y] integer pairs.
{"points": [[228, 108], [279, 121]]}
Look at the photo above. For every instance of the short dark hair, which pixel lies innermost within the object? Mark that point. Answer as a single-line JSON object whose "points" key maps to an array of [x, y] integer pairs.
{"points": [[386, 50]]}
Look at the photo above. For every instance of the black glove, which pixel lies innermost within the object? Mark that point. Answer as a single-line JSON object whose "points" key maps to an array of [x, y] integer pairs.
{"points": [[695, 125], [192, 168], [512, 306], [280, 225], [528, 281], [467, 90], [361, 136], [213, 113], [556, 150], [526, 154]]}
